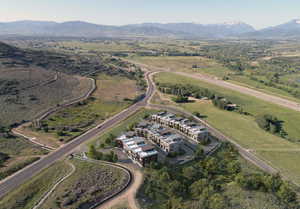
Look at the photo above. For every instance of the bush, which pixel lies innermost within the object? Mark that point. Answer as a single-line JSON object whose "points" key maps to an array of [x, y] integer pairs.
{"points": [[180, 99], [271, 124]]}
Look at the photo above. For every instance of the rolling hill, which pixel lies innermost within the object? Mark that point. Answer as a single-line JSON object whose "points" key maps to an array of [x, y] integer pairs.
{"points": [[28, 85]]}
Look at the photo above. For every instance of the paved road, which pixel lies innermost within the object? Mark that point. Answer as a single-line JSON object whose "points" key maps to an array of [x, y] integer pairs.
{"points": [[25, 174], [245, 90]]}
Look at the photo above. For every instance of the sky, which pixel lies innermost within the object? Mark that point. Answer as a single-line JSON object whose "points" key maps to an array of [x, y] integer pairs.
{"points": [[258, 13]]}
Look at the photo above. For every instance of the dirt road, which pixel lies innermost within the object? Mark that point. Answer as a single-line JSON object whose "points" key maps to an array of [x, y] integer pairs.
{"points": [[263, 96], [129, 195], [245, 90]]}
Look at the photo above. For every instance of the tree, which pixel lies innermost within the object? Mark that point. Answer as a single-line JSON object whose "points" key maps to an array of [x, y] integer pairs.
{"points": [[199, 153], [233, 167], [190, 173], [197, 187], [3, 157], [180, 99], [115, 158], [175, 188], [174, 203], [273, 182], [217, 201], [286, 194], [269, 123], [94, 154], [165, 177]]}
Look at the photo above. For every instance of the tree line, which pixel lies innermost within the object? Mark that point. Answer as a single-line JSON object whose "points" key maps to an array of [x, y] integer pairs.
{"points": [[184, 91], [271, 124], [202, 183]]}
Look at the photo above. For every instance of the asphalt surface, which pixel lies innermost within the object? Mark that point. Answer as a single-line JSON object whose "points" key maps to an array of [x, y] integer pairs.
{"points": [[25, 174]]}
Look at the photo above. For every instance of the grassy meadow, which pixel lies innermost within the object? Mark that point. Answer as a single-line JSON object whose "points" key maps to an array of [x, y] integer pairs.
{"points": [[212, 68], [28, 194], [20, 152], [113, 94], [243, 129]]}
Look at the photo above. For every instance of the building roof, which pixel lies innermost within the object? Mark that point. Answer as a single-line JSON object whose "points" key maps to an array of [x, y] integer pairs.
{"points": [[130, 134], [143, 124], [147, 148], [147, 154]]}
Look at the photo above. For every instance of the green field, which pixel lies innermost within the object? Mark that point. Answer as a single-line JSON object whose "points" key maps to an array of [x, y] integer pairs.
{"points": [[243, 129], [109, 99], [212, 68], [28, 194]]}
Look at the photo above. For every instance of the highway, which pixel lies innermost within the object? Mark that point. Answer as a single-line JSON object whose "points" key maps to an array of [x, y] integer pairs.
{"points": [[25, 174]]}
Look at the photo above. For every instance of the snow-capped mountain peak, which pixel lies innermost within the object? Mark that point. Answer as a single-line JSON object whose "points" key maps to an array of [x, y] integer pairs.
{"points": [[232, 23]]}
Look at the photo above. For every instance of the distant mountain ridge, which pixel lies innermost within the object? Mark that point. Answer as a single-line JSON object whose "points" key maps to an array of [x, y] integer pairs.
{"points": [[85, 29], [177, 30], [202, 30], [290, 29]]}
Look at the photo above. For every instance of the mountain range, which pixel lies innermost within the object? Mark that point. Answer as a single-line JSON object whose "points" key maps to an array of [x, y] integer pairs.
{"points": [[180, 30]]}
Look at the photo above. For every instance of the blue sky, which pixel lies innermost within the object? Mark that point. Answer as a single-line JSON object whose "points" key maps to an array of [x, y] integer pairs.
{"points": [[259, 13]]}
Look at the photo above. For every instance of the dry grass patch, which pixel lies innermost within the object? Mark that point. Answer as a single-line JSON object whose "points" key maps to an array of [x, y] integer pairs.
{"points": [[115, 88]]}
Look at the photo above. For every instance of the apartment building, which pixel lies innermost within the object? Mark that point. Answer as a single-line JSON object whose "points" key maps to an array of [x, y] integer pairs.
{"points": [[194, 131], [166, 140], [137, 149]]}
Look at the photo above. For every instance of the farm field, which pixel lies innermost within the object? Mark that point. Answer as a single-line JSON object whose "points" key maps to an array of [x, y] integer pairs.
{"points": [[183, 64], [20, 153], [28, 194], [113, 94], [243, 129], [99, 46]]}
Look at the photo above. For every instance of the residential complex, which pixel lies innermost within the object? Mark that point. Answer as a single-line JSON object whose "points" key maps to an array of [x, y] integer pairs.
{"points": [[162, 137], [164, 130], [185, 126], [137, 149]]}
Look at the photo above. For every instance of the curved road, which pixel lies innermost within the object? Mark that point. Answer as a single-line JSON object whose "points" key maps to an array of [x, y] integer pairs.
{"points": [[25, 174], [235, 87]]}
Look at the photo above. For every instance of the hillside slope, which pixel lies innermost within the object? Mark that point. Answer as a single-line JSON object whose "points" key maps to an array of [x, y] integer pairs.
{"points": [[32, 81]]}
